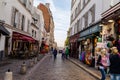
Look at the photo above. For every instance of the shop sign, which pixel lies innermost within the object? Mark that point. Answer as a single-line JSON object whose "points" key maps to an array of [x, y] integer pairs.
{"points": [[91, 30], [101, 45]]}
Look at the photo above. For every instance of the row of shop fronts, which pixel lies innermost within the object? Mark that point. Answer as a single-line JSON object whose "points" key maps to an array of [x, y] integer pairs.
{"points": [[17, 44], [103, 34]]}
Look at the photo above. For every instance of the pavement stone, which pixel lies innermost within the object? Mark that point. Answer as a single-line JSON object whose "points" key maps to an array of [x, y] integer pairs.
{"points": [[91, 70], [14, 65]]}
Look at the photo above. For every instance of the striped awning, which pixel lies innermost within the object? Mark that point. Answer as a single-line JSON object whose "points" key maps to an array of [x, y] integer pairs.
{"points": [[111, 11]]}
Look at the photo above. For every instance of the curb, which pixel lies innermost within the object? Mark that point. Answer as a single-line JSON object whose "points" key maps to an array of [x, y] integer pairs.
{"points": [[35, 67], [87, 70]]}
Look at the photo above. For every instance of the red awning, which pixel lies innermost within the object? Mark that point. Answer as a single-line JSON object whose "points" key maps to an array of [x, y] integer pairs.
{"points": [[19, 36]]}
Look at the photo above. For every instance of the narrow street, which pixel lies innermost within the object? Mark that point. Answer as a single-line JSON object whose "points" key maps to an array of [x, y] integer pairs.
{"points": [[49, 69]]}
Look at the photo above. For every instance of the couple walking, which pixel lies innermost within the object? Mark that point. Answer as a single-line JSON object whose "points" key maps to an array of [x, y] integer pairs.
{"points": [[65, 53], [111, 60]]}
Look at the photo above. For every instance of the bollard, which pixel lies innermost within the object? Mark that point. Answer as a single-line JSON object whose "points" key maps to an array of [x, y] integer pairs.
{"points": [[23, 68], [31, 63], [35, 60], [8, 75]]}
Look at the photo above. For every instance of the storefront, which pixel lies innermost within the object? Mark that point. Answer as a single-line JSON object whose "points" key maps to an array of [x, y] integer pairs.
{"points": [[88, 40], [111, 26], [74, 46], [44, 47], [23, 46], [4, 40]]}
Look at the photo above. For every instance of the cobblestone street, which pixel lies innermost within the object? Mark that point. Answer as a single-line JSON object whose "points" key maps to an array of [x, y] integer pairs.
{"points": [[49, 69]]}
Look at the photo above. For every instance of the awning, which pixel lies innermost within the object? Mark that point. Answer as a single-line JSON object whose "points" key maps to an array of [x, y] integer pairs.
{"points": [[112, 11], [23, 37], [4, 31]]}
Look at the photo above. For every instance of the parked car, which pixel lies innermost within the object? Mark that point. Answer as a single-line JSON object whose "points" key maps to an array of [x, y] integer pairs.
{"points": [[60, 51]]}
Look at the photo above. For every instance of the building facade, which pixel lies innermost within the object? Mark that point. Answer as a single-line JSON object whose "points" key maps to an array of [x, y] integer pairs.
{"points": [[96, 23], [49, 24], [23, 23]]}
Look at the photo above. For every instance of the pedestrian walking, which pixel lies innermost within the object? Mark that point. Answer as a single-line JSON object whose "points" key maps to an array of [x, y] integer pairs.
{"points": [[63, 53], [55, 53], [67, 52], [102, 62], [114, 64]]}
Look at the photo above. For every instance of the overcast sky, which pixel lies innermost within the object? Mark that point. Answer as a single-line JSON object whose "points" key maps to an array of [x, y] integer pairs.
{"points": [[61, 15]]}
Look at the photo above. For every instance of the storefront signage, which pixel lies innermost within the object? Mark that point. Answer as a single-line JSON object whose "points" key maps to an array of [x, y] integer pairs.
{"points": [[91, 30]]}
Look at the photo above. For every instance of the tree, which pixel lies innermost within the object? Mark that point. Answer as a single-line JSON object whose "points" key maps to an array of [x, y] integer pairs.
{"points": [[67, 41]]}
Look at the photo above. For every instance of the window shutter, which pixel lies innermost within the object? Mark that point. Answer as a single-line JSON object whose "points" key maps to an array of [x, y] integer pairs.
{"points": [[12, 16]]}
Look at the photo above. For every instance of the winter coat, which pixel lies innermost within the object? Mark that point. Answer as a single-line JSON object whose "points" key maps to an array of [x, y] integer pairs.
{"points": [[67, 51], [55, 52], [114, 64]]}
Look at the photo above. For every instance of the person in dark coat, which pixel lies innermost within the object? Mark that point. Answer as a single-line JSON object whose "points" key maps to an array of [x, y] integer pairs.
{"points": [[55, 53], [114, 64]]}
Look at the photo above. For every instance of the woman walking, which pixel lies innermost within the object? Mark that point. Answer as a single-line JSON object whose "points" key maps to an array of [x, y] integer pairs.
{"points": [[103, 63]]}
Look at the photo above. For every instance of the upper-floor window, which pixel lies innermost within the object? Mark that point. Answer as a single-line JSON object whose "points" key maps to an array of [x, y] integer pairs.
{"points": [[93, 13], [15, 18], [32, 32], [79, 25], [86, 20], [79, 6], [86, 1], [22, 22], [28, 26], [35, 33], [23, 2], [89, 17], [83, 23]]}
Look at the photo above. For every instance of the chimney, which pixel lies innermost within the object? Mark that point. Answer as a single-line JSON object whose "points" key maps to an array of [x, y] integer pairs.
{"points": [[47, 5]]}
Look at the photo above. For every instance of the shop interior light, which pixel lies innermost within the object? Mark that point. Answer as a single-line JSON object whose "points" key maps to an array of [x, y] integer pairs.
{"points": [[110, 21], [101, 25]]}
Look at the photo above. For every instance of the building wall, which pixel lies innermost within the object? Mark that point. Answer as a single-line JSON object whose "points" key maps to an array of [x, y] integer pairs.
{"points": [[106, 4], [2, 42], [81, 14], [46, 16], [8, 8]]}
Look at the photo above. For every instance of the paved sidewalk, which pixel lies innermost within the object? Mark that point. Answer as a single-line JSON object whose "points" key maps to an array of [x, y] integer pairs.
{"points": [[14, 65], [93, 71]]}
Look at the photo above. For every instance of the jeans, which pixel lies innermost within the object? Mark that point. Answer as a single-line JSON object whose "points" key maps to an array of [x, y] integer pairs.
{"points": [[114, 76], [103, 73]]}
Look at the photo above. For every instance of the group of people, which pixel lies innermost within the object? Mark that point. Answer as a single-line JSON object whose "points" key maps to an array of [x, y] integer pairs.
{"points": [[109, 63], [65, 53]]}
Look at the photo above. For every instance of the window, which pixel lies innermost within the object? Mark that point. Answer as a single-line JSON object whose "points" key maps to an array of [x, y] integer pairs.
{"points": [[93, 13], [35, 33], [75, 12], [86, 20], [79, 6], [32, 33], [89, 17], [79, 24], [28, 25], [86, 1], [83, 22], [22, 22]]}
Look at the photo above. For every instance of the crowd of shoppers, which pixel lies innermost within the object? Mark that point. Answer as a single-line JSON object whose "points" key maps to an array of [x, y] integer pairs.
{"points": [[109, 60]]}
